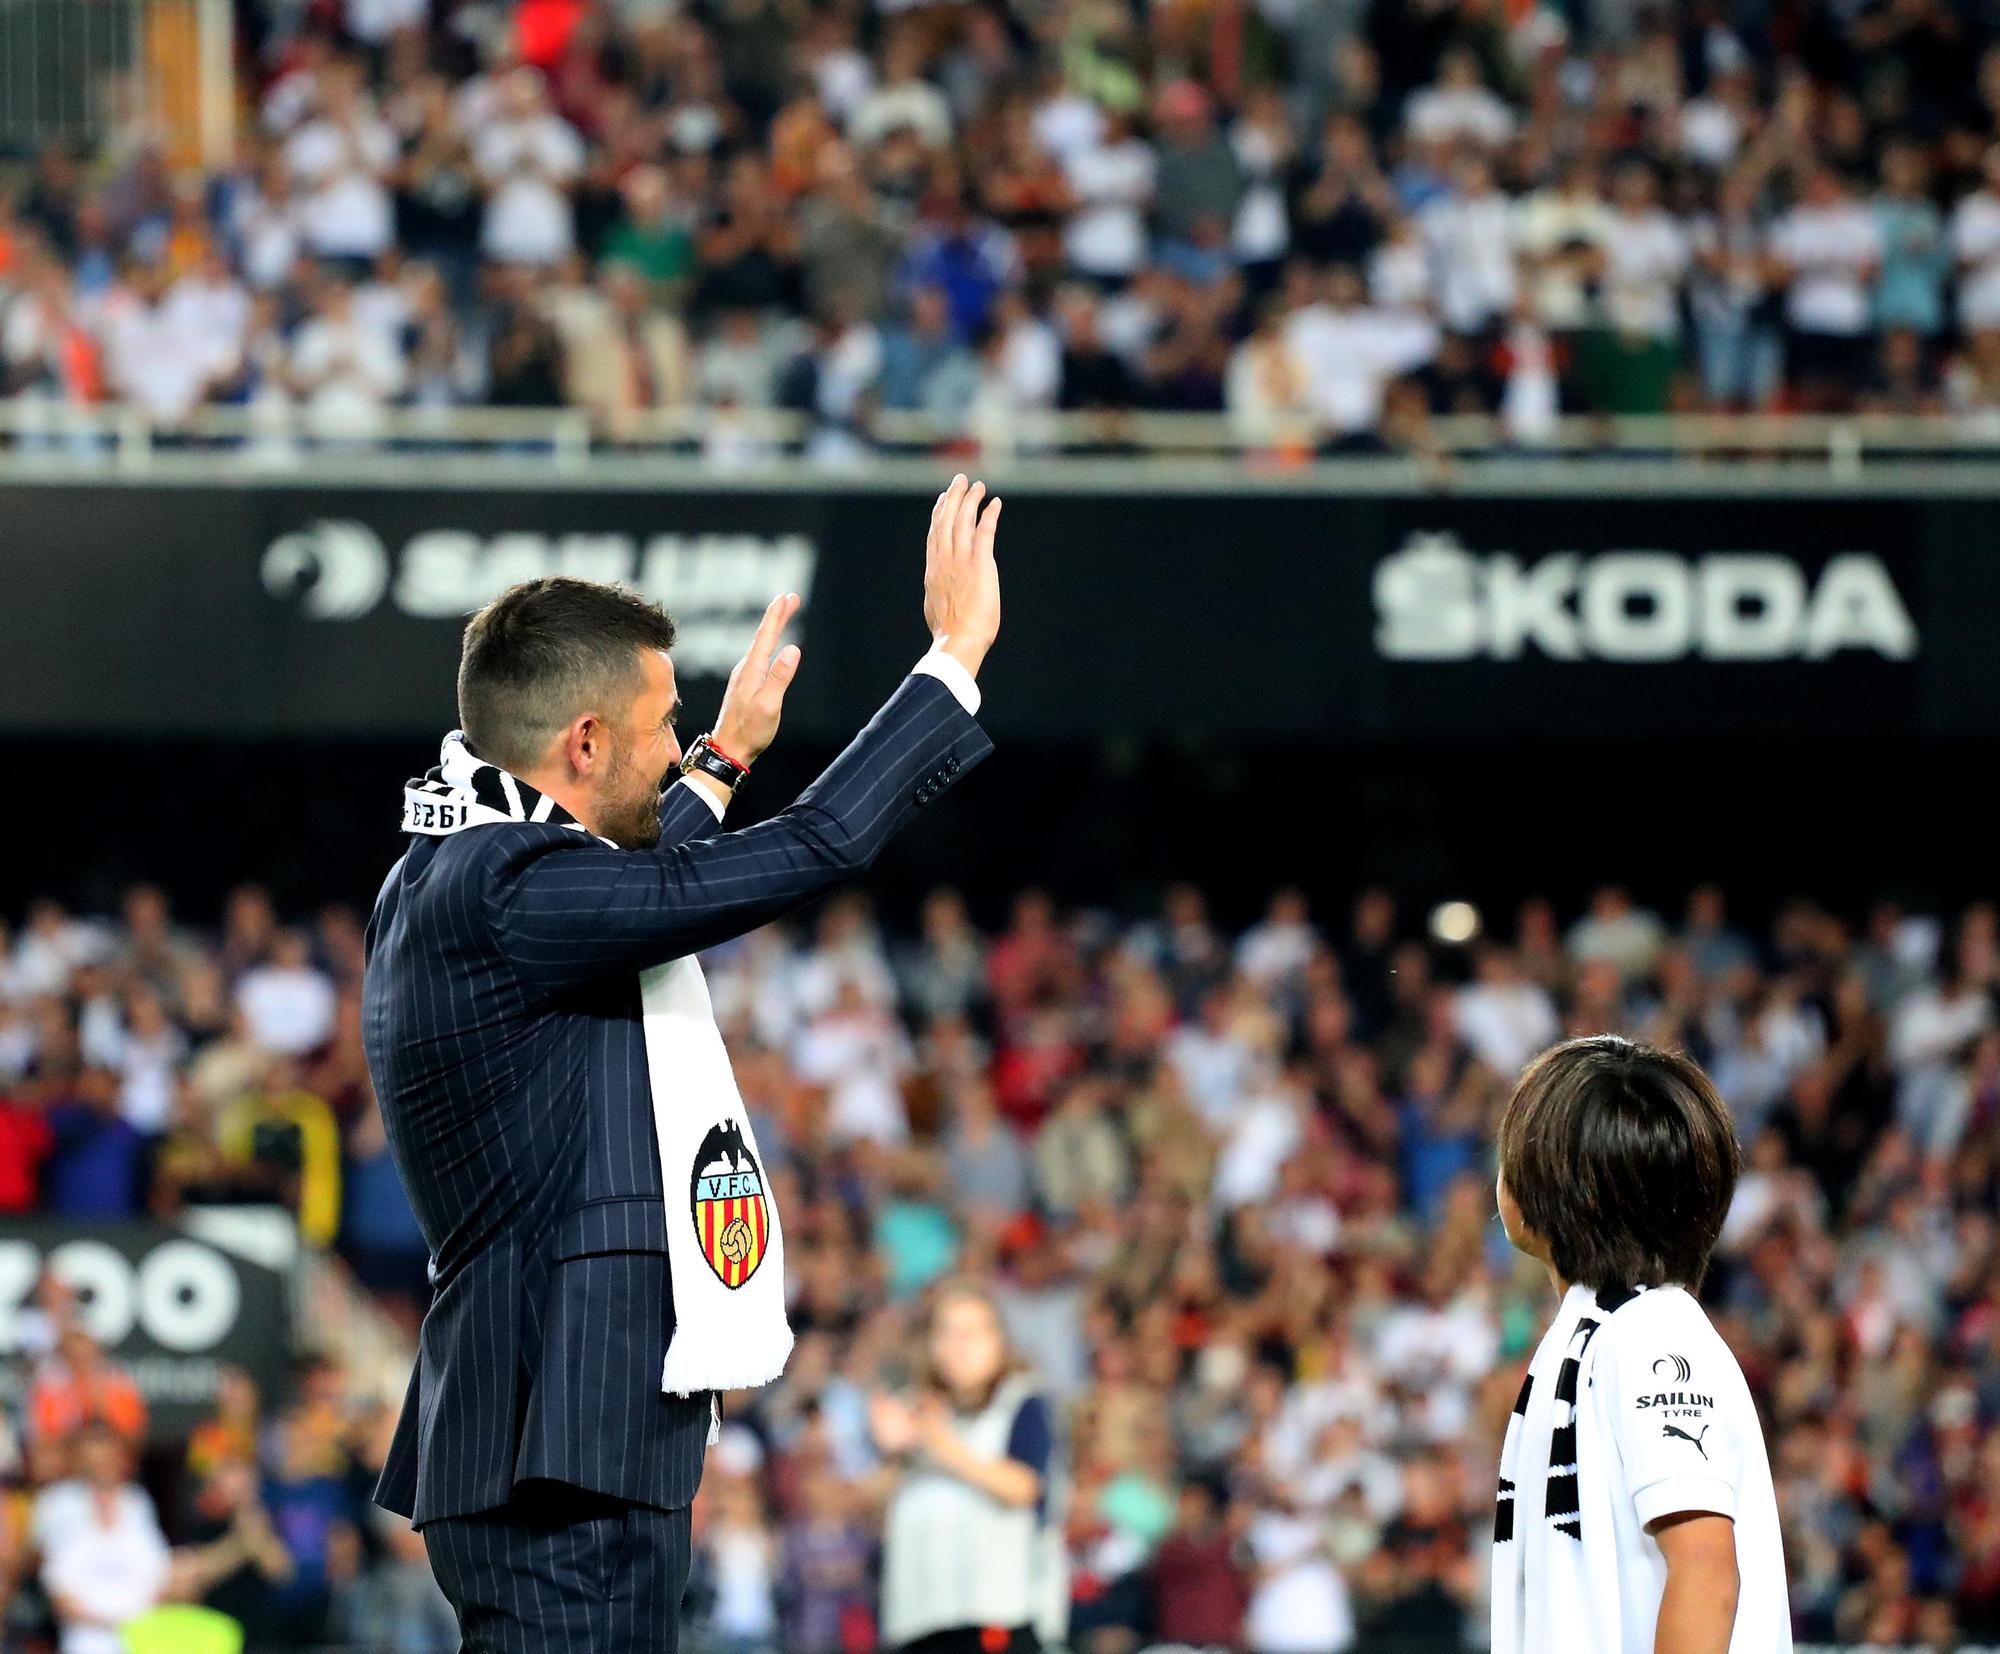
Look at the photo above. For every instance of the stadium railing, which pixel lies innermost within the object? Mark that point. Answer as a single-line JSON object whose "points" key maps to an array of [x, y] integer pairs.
{"points": [[261, 436]]}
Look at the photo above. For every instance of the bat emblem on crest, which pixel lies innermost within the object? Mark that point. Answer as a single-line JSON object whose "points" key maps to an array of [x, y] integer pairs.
{"points": [[726, 1200]]}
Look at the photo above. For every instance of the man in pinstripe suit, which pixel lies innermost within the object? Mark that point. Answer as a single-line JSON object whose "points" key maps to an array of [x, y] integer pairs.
{"points": [[548, 1471]]}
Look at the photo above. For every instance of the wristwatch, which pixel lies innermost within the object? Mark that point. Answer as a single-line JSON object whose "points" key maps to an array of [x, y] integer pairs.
{"points": [[712, 761]]}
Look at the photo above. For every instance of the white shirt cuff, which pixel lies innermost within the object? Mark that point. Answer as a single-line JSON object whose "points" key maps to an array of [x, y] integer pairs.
{"points": [[951, 672], [702, 793], [1684, 1493]]}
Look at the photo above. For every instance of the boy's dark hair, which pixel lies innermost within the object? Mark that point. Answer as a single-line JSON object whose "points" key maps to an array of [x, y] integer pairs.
{"points": [[1623, 1157], [545, 650]]}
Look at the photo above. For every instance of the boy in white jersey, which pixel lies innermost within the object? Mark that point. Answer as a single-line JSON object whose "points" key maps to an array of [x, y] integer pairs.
{"points": [[1636, 1513]]}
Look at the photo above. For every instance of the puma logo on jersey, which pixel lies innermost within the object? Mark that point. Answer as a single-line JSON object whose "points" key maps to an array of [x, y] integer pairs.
{"points": [[1676, 1430]]}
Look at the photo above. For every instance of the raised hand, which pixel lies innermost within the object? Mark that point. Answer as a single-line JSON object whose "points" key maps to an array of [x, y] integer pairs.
{"points": [[892, 1424], [755, 698], [961, 579]]}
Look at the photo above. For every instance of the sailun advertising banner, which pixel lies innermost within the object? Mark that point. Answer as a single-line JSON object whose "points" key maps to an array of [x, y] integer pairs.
{"points": [[313, 610]]}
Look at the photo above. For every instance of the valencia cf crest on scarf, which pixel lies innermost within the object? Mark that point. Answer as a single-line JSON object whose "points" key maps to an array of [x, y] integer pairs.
{"points": [[726, 1197]]}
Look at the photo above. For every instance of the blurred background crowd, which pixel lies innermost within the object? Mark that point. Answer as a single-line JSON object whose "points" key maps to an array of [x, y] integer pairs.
{"points": [[1329, 220], [1230, 1194]]}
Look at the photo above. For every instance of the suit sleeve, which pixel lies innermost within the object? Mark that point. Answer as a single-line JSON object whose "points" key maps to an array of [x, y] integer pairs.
{"points": [[1666, 1398], [685, 813], [566, 910]]}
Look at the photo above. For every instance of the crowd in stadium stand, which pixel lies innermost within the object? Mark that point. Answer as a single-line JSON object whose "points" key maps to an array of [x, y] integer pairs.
{"points": [[1232, 1195], [1329, 219]]}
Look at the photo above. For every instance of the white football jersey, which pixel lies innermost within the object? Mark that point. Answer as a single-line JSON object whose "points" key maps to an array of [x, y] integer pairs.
{"points": [[1676, 1430]]}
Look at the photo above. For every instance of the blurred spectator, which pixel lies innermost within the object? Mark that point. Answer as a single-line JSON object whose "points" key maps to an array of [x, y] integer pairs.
{"points": [[104, 1559], [1975, 244], [622, 358], [97, 1156], [925, 366], [739, 1564], [1199, 1588], [1915, 256], [396, 1606], [1299, 1600], [253, 1568], [969, 1542], [340, 159], [1617, 933], [1469, 232], [1830, 248], [77, 1385], [160, 355], [528, 158], [825, 1578]]}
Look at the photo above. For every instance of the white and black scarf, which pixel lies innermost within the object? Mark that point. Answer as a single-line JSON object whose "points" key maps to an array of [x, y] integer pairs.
{"points": [[1555, 1551], [727, 1254]]}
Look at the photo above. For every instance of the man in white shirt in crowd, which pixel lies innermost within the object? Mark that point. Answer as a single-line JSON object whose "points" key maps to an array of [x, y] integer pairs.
{"points": [[530, 158], [1472, 250], [1112, 180], [344, 371], [376, 21], [1713, 125], [1502, 1015], [1627, 364], [104, 1560], [1931, 1035], [341, 161], [43, 334], [1299, 1601], [1279, 947], [1349, 350], [1435, 1349], [267, 225], [1975, 245], [1614, 930], [1458, 106], [288, 1004], [149, 1052], [905, 100], [1645, 256], [1830, 247], [1561, 231], [152, 357], [210, 303]]}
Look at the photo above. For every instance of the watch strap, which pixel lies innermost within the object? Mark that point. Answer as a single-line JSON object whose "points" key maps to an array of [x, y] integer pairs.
{"points": [[712, 761]]}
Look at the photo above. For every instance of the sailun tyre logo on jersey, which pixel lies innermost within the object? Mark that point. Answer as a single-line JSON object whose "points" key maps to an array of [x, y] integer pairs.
{"points": [[1437, 600], [726, 1200], [1673, 1366]]}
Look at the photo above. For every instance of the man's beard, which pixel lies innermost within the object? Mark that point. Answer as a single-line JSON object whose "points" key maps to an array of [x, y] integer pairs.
{"points": [[632, 823]]}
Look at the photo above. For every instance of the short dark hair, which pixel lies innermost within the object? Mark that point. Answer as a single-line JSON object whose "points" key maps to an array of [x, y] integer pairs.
{"points": [[544, 651], [1624, 1158]]}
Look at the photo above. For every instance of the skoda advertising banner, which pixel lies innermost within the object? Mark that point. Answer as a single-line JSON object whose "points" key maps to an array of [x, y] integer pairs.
{"points": [[279, 611]]}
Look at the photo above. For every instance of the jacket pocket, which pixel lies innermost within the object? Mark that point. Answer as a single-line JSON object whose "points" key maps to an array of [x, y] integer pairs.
{"points": [[637, 1225]]}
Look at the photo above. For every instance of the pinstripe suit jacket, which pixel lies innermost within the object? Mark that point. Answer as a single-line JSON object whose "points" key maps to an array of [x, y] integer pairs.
{"points": [[500, 1011]]}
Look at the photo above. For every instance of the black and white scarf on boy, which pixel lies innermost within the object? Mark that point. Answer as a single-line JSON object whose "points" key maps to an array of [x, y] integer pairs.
{"points": [[725, 1248], [1555, 1550]]}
